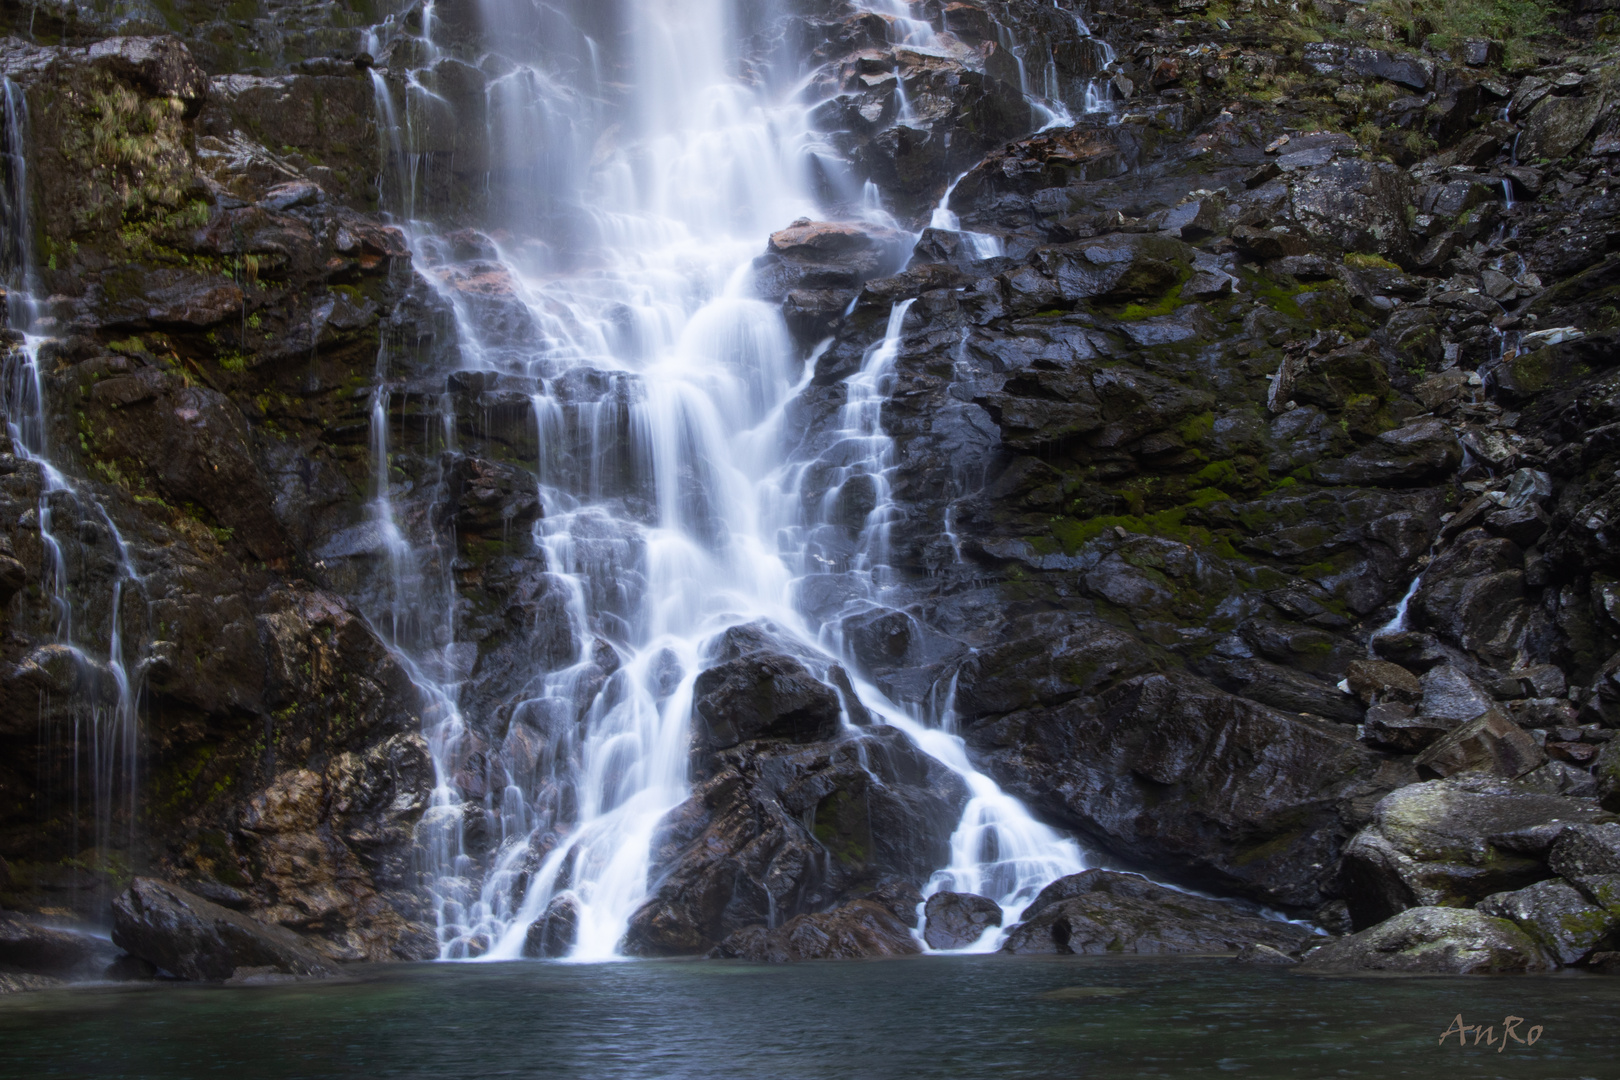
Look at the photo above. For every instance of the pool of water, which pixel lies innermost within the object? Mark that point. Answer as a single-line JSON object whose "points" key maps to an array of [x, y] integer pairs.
{"points": [[957, 1017]]}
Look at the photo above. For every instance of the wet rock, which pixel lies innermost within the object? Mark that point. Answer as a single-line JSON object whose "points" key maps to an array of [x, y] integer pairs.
{"points": [[1376, 681], [40, 950], [1167, 769], [1567, 924], [1432, 941], [1102, 911], [1418, 453], [1492, 743], [553, 934], [1263, 954], [20, 982], [764, 695], [1399, 728], [956, 920], [1453, 842], [781, 830], [491, 498], [195, 939], [1588, 856], [858, 930], [163, 66]]}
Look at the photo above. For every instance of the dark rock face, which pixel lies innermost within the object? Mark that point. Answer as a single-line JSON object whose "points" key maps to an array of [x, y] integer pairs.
{"points": [[40, 950], [554, 933], [739, 853], [1101, 912], [763, 695], [195, 939], [955, 920], [1432, 941]]}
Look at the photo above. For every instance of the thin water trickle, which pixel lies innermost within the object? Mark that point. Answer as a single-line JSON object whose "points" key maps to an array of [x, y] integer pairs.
{"points": [[104, 733]]}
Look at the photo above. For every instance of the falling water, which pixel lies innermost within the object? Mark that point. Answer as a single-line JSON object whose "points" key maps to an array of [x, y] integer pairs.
{"points": [[104, 730], [982, 245], [672, 510]]}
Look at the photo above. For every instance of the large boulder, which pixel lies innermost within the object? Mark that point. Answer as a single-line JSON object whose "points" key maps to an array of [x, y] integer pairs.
{"points": [[857, 930], [1589, 857], [1234, 795], [196, 939], [1454, 842], [1559, 917], [956, 920], [1102, 911], [1432, 941], [41, 950], [761, 696], [783, 829]]}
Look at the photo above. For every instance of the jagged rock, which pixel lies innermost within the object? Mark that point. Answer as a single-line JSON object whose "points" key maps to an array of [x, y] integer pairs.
{"points": [[858, 930], [1170, 770], [739, 851], [1492, 743], [761, 696], [1399, 728], [1559, 917], [1101, 911], [195, 939], [1376, 681], [955, 920], [1588, 855], [1454, 842], [1432, 941], [553, 934], [1415, 454]]}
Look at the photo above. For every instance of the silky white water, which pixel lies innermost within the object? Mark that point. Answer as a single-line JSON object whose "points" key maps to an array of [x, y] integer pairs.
{"points": [[622, 282], [103, 726]]}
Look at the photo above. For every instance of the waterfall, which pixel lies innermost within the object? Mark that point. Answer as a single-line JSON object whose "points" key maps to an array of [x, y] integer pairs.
{"points": [[651, 175], [104, 727]]}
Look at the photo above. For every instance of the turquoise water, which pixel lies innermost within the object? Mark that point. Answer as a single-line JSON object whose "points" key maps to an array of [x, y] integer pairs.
{"points": [[940, 1018]]}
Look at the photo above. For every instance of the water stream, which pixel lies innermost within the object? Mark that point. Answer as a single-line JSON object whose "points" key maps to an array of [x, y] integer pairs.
{"points": [[82, 552], [672, 506]]}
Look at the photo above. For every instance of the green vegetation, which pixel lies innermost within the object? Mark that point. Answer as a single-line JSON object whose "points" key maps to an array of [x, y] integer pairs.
{"points": [[1446, 22], [1356, 261]]}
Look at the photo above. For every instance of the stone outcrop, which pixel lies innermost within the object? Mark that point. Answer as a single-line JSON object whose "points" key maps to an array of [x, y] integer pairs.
{"points": [[1101, 912], [1432, 941], [193, 938]]}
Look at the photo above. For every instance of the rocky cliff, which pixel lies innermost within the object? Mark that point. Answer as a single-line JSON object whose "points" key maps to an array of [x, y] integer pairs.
{"points": [[1252, 444]]}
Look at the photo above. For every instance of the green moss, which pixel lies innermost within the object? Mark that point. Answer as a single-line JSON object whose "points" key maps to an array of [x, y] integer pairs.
{"points": [[1368, 262], [1219, 474], [1197, 428]]}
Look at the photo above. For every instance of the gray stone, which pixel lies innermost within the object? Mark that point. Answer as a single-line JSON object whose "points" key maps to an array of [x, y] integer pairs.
{"points": [[1432, 941], [1558, 916], [1454, 842], [1103, 911], [956, 920], [192, 938]]}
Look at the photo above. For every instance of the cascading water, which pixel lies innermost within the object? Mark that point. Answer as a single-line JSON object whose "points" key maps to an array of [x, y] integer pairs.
{"points": [[660, 392], [103, 733]]}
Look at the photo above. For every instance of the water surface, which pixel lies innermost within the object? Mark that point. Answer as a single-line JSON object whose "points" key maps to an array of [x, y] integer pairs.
{"points": [[936, 1017]]}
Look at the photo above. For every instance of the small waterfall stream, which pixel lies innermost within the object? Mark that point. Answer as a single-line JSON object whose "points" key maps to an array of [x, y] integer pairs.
{"points": [[660, 393], [75, 533]]}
